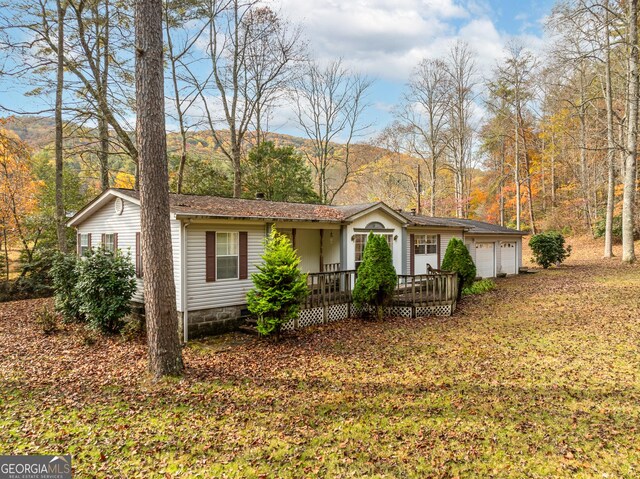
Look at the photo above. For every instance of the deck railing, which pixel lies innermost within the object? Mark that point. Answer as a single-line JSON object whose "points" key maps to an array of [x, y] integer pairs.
{"points": [[421, 290], [438, 288], [329, 288]]}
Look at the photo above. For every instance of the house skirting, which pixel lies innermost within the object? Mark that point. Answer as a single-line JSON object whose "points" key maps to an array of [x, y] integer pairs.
{"points": [[209, 322]]}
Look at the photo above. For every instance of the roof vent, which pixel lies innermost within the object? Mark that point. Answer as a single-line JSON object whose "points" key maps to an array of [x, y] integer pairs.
{"points": [[413, 211], [259, 196]]}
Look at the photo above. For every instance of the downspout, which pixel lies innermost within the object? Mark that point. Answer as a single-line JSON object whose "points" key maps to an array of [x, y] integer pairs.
{"points": [[183, 282]]}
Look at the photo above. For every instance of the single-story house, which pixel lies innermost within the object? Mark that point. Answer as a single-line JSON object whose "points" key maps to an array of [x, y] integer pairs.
{"points": [[217, 243]]}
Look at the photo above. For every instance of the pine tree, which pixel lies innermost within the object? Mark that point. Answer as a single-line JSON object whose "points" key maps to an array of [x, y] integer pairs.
{"points": [[458, 259], [279, 286], [376, 275]]}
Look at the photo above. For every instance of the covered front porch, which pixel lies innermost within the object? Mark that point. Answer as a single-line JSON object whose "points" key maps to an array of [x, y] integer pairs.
{"points": [[317, 244]]}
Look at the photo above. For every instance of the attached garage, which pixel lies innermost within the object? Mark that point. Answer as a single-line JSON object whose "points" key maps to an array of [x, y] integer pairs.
{"points": [[508, 255], [485, 259]]}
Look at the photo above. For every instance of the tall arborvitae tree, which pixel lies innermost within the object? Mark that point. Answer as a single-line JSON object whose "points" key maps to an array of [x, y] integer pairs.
{"points": [[165, 355]]}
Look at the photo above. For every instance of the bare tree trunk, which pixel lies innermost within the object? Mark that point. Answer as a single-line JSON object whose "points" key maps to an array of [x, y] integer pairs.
{"points": [[611, 175], [584, 179], [103, 125], [553, 171], [543, 179], [432, 205], [502, 157], [176, 92], [103, 154], [527, 165], [165, 355], [516, 173], [628, 206], [236, 154], [60, 211]]}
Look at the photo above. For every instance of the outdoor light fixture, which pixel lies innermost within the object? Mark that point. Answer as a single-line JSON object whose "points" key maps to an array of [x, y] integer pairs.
{"points": [[395, 238]]}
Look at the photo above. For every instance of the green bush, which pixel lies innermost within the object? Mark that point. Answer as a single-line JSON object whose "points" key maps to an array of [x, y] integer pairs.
{"points": [[548, 248], [105, 286], [279, 286], [458, 259], [64, 275], [376, 275], [479, 287]]}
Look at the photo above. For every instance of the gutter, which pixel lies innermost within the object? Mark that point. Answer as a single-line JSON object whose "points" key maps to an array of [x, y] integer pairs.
{"points": [[197, 216], [183, 280]]}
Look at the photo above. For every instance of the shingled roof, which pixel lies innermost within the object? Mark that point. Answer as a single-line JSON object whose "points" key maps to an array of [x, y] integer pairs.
{"points": [[215, 206], [234, 208], [471, 226]]}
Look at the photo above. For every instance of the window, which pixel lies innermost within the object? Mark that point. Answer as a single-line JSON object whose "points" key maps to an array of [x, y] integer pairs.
{"points": [[360, 240], [85, 244], [426, 244], [227, 255], [109, 242]]}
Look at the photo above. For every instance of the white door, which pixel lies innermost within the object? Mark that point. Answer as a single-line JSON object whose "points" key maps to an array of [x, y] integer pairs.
{"points": [[508, 257], [485, 260]]}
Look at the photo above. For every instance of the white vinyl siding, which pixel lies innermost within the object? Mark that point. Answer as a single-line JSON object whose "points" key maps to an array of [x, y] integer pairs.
{"points": [[105, 220], [308, 248], [421, 261], [389, 222], [215, 294]]}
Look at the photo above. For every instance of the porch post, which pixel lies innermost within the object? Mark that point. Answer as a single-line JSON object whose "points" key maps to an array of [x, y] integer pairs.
{"points": [[403, 239], [321, 250], [343, 247]]}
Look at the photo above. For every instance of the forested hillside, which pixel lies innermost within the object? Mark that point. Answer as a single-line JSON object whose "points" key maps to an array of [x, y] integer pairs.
{"points": [[545, 139]]}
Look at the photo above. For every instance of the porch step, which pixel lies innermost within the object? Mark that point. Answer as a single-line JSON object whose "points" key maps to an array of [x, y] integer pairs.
{"points": [[249, 326]]}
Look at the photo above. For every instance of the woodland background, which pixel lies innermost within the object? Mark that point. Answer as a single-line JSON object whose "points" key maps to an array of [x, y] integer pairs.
{"points": [[544, 143]]}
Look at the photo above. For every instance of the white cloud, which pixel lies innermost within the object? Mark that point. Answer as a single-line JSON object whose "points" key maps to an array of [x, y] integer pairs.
{"points": [[386, 38]]}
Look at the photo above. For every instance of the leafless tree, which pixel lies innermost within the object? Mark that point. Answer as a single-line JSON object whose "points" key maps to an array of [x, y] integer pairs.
{"points": [[628, 200], [250, 51], [424, 110], [330, 102], [180, 40], [463, 80], [516, 73]]}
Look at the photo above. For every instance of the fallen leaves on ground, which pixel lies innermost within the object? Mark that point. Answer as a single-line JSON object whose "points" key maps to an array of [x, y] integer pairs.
{"points": [[538, 378]]}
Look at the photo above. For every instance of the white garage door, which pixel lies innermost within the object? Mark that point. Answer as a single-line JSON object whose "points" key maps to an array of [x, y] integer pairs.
{"points": [[508, 257], [485, 260]]}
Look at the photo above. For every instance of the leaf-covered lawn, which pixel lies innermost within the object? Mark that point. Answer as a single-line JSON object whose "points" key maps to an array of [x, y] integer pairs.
{"points": [[538, 378]]}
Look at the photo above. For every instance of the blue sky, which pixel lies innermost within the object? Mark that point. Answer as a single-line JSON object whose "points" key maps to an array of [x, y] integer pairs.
{"points": [[385, 39]]}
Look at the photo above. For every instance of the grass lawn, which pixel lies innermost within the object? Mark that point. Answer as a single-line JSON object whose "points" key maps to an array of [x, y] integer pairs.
{"points": [[538, 378]]}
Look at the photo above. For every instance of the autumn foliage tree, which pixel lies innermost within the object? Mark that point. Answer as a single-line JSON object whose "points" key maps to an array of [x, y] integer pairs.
{"points": [[18, 198]]}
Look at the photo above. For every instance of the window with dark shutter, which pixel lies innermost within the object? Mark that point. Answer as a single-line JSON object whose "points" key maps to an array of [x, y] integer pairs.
{"points": [[439, 251], [210, 255], [243, 248]]}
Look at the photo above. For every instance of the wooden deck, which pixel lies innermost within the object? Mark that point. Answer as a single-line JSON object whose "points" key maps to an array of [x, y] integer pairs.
{"points": [[438, 288]]}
